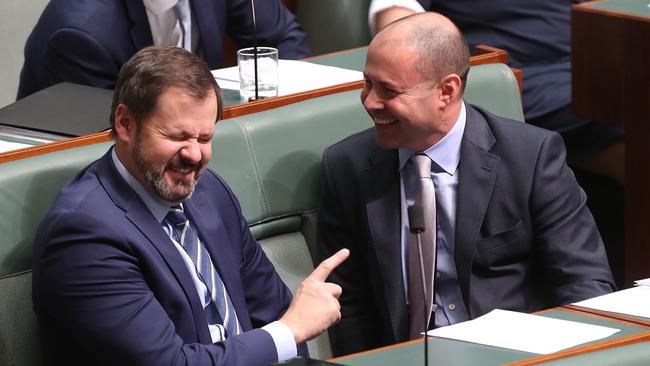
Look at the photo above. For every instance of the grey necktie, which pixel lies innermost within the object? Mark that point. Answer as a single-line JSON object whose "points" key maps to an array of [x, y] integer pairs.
{"points": [[182, 10], [425, 196], [219, 300]]}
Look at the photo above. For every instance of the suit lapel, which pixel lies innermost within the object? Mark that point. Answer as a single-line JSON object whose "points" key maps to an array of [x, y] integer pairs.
{"points": [[210, 228], [140, 30], [478, 170], [381, 189], [137, 213]]}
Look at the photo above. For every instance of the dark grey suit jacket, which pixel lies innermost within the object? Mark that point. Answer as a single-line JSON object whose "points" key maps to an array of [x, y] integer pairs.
{"points": [[525, 239]]}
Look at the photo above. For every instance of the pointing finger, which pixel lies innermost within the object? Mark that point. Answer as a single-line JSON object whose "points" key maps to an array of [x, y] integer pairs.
{"points": [[328, 265]]}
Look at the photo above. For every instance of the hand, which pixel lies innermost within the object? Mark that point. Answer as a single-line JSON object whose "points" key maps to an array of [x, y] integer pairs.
{"points": [[315, 306]]}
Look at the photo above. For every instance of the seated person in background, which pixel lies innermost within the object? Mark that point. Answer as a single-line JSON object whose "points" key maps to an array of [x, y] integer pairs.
{"points": [[86, 42], [537, 36], [145, 257], [512, 230]]}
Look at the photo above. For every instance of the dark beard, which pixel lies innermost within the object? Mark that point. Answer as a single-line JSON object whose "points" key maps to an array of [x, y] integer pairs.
{"points": [[156, 180]]}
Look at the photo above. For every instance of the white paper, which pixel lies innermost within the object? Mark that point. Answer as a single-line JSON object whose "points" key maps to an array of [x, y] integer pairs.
{"points": [[295, 76], [524, 332], [643, 282], [8, 146], [634, 301]]}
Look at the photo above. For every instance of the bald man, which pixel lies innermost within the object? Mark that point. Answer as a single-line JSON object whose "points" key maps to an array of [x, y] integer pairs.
{"points": [[512, 228]]}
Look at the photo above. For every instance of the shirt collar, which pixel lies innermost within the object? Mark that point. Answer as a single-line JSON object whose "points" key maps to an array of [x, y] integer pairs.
{"points": [[158, 209], [446, 152], [159, 6]]}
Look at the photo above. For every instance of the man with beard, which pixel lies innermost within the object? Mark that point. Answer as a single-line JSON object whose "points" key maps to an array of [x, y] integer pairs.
{"points": [[145, 257]]}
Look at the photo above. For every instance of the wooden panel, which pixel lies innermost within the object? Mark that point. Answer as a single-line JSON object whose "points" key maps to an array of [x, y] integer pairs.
{"points": [[611, 75]]}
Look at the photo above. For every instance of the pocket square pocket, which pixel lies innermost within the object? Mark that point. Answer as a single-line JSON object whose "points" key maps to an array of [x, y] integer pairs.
{"points": [[504, 247]]}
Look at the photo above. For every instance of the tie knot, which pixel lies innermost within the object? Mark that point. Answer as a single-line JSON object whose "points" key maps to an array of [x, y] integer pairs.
{"points": [[422, 165], [176, 216]]}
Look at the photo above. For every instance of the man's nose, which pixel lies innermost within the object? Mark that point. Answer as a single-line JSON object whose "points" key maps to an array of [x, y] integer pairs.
{"points": [[192, 151], [371, 101]]}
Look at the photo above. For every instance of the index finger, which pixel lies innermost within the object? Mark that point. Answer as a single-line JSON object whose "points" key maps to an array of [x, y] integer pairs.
{"points": [[327, 266]]}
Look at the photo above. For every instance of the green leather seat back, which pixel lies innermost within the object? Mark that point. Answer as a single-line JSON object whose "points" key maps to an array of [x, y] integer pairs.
{"points": [[334, 25], [271, 160], [27, 189], [495, 88]]}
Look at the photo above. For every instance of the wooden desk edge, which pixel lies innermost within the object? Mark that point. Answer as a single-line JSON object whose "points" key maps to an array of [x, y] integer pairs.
{"points": [[587, 7], [610, 315], [54, 146], [594, 347], [396, 345], [271, 103], [578, 350], [486, 55]]}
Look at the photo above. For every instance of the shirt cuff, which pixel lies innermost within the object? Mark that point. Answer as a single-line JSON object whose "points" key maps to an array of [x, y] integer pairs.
{"points": [[285, 343], [378, 5]]}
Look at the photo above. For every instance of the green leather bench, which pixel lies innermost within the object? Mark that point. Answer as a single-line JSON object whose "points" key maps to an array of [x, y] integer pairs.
{"points": [[270, 159], [345, 22]]}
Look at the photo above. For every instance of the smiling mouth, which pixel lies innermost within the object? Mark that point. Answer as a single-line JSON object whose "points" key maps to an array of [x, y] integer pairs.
{"points": [[186, 170], [381, 121]]}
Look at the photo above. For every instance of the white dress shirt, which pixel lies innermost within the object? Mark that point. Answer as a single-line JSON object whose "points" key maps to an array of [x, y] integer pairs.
{"points": [[165, 28], [378, 5], [445, 157]]}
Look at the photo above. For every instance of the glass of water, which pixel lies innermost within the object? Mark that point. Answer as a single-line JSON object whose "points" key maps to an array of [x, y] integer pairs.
{"points": [[267, 72]]}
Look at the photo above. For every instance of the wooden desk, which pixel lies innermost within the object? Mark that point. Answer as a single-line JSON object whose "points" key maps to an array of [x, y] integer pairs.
{"points": [[456, 353], [353, 59], [611, 82]]}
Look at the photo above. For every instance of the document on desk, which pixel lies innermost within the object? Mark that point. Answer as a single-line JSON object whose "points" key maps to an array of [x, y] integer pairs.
{"points": [[633, 301], [9, 146], [295, 76], [523, 332]]}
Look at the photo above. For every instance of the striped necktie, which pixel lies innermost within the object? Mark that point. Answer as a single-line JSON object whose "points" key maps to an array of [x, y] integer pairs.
{"points": [[219, 301], [182, 9]]}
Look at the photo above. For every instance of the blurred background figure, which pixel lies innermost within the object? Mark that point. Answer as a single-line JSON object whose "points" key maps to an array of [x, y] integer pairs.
{"points": [[87, 42]]}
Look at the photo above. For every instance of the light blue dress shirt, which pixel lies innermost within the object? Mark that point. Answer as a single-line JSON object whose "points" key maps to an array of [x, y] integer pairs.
{"points": [[283, 338], [445, 156]]}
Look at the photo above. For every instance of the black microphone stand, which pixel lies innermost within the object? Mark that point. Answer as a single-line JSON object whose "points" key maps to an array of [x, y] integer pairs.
{"points": [[257, 96], [417, 227]]}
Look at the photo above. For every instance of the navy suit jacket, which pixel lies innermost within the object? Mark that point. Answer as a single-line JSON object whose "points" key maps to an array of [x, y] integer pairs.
{"points": [[86, 42], [524, 238], [109, 287]]}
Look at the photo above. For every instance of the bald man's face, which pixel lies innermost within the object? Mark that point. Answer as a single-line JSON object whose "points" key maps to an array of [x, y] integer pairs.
{"points": [[403, 104]]}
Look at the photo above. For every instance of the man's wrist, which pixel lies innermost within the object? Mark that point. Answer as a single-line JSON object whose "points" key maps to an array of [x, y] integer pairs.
{"points": [[283, 338]]}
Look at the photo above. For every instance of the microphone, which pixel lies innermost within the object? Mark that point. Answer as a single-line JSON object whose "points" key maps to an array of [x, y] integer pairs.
{"points": [[416, 226], [257, 96]]}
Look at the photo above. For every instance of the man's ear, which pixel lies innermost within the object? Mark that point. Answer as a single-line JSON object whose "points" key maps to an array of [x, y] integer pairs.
{"points": [[450, 86], [124, 123]]}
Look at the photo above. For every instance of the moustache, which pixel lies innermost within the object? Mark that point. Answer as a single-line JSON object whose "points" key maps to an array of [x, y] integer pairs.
{"points": [[184, 165]]}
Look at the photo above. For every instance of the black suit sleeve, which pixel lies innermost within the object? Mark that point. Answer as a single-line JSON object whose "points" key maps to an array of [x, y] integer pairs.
{"points": [[75, 56], [567, 241], [276, 27], [358, 329]]}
